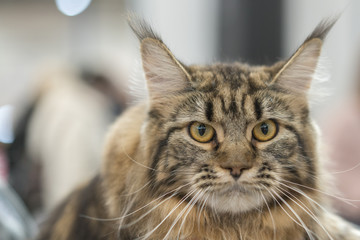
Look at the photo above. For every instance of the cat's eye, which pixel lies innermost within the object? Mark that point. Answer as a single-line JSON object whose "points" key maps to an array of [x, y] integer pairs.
{"points": [[265, 131], [201, 132]]}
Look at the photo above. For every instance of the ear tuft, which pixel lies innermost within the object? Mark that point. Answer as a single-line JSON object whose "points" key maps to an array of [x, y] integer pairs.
{"points": [[141, 28], [297, 73], [322, 29], [165, 75]]}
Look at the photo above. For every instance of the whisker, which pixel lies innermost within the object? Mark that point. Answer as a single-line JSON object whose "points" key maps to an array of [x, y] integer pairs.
{"points": [[129, 214], [348, 201], [132, 193], [215, 211], [133, 160], [202, 208], [152, 209], [305, 195], [180, 215], [166, 217], [241, 237], [271, 216], [307, 210], [296, 215], [347, 170], [188, 211], [279, 204], [175, 191], [129, 205]]}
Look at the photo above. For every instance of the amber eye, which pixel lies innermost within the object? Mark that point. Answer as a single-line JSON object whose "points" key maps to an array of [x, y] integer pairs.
{"points": [[201, 132], [265, 131]]}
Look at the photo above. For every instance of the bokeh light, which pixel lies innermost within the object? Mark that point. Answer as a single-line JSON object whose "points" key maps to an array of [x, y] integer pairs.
{"points": [[72, 7]]}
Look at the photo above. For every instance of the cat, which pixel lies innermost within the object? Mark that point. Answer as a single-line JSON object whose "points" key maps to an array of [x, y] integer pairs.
{"points": [[223, 151]]}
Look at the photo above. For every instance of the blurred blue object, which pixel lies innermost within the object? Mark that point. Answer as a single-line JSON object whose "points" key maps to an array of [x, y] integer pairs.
{"points": [[72, 7], [15, 221], [6, 118]]}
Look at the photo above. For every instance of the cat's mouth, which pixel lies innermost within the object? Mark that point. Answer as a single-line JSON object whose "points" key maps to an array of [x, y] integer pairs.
{"points": [[235, 188], [236, 198]]}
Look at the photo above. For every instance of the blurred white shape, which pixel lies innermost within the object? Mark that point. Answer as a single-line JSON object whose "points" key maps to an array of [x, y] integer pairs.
{"points": [[6, 131], [72, 7]]}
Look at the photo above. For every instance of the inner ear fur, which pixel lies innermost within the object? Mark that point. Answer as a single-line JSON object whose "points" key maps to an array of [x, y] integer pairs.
{"points": [[297, 73], [164, 73]]}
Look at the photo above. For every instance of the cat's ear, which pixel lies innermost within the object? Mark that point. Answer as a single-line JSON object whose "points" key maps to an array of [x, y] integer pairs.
{"points": [[165, 75], [297, 72]]}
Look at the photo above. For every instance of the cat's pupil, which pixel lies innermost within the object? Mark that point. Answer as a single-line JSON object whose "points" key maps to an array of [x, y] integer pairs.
{"points": [[201, 129], [264, 128]]}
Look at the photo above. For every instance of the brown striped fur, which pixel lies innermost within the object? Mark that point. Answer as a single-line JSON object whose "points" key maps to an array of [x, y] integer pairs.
{"points": [[159, 183]]}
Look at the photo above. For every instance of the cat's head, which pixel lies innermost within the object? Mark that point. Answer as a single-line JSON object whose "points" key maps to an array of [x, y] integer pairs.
{"points": [[229, 135]]}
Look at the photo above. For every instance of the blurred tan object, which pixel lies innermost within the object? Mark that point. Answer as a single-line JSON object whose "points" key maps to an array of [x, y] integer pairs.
{"points": [[3, 164], [342, 135], [66, 128]]}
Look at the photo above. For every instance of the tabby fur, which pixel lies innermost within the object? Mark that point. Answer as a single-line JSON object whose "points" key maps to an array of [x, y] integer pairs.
{"points": [[159, 183]]}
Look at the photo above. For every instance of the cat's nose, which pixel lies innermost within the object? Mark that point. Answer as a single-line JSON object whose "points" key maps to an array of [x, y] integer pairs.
{"points": [[236, 171]]}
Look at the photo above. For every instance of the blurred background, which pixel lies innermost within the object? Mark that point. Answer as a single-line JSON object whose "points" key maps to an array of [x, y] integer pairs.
{"points": [[65, 70]]}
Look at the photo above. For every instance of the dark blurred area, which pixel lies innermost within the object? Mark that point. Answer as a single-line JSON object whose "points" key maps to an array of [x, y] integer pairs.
{"points": [[66, 70], [259, 42]]}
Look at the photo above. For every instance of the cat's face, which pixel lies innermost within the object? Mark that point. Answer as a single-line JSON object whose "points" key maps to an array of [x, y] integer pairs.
{"points": [[231, 139], [229, 136]]}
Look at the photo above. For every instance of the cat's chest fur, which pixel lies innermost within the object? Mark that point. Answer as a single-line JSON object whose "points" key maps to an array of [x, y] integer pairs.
{"points": [[256, 225]]}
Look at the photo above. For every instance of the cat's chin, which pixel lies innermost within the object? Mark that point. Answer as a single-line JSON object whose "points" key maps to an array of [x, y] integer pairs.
{"points": [[235, 200]]}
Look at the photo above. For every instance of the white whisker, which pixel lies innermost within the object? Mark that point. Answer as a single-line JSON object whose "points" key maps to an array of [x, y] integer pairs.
{"points": [[152, 209], [214, 209], [202, 207], [348, 170], [271, 216], [305, 195], [180, 215], [132, 193], [166, 217], [133, 160], [188, 211], [279, 204], [348, 201], [296, 215], [305, 209]]}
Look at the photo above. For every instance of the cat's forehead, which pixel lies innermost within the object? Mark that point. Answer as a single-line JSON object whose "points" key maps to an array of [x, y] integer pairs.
{"points": [[236, 94], [232, 76]]}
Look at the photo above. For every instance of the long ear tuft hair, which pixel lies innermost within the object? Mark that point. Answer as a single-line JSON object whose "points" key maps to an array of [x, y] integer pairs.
{"points": [[141, 28], [322, 29], [165, 75], [298, 71]]}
